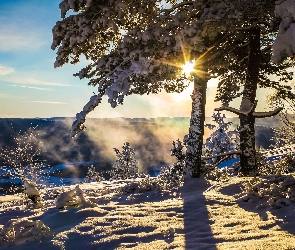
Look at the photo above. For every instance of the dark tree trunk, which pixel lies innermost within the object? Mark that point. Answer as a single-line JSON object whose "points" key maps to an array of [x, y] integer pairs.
{"points": [[196, 130], [248, 161]]}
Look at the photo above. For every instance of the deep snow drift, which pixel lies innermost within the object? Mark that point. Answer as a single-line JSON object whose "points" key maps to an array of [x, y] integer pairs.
{"points": [[112, 215]]}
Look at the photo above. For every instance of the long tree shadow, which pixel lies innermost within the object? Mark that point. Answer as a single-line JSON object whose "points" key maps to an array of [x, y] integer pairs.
{"points": [[197, 230]]}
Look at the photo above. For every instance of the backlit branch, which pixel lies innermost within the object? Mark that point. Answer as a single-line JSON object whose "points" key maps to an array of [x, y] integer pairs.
{"points": [[267, 114]]}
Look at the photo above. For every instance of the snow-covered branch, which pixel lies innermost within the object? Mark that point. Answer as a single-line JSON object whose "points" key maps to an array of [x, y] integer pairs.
{"points": [[221, 155], [246, 108], [174, 7], [235, 111], [284, 44], [267, 114], [78, 124]]}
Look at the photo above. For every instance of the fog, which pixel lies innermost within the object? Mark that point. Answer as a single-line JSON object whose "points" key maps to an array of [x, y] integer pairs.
{"points": [[151, 139]]}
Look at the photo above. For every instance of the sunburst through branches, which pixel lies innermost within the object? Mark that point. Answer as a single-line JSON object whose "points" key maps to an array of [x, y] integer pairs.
{"points": [[188, 68]]}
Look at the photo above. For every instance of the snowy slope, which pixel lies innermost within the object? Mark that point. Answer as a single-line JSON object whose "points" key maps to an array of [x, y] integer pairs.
{"points": [[201, 216]]}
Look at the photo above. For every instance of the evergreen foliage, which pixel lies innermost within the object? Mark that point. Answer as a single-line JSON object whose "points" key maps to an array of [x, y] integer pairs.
{"points": [[221, 141], [125, 166], [138, 47], [93, 176]]}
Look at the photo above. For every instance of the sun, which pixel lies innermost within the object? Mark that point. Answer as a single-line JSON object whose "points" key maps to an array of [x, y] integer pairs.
{"points": [[188, 68]]}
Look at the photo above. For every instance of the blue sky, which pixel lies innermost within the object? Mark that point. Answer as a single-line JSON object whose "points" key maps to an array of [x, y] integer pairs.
{"points": [[31, 87]]}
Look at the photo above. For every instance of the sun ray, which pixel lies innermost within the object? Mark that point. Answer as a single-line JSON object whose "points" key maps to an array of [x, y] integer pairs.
{"points": [[188, 68], [187, 65]]}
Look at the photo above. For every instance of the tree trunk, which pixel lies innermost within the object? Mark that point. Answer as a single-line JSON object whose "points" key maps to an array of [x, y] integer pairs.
{"points": [[196, 131], [248, 161]]}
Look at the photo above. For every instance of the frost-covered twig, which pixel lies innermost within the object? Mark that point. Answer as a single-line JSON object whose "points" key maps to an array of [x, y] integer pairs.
{"points": [[223, 154]]}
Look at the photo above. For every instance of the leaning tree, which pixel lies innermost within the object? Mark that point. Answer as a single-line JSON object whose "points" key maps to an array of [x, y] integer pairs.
{"points": [[138, 47]]}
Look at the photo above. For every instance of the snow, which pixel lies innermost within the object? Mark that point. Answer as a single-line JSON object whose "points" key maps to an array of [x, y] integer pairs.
{"points": [[284, 45], [66, 199], [209, 215], [17, 231], [30, 189]]}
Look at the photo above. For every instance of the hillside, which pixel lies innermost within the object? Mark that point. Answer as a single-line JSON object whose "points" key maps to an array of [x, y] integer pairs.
{"points": [[202, 215]]}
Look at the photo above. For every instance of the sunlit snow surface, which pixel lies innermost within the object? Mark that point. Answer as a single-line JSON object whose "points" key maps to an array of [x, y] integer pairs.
{"points": [[201, 216]]}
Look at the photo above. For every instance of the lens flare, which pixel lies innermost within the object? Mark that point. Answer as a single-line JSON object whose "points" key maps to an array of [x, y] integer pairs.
{"points": [[188, 68]]}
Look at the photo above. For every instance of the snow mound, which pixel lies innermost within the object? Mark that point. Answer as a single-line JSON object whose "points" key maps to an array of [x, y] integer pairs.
{"points": [[17, 231]]}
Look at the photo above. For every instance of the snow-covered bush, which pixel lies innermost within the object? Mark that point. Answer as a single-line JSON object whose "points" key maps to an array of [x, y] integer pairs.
{"points": [[177, 150], [274, 191], [93, 176], [67, 199], [32, 193], [73, 198], [22, 230], [171, 177], [148, 183], [126, 165], [284, 165], [221, 141], [219, 146], [232, 170], [168, 181], [22, 161], [83, 201]]}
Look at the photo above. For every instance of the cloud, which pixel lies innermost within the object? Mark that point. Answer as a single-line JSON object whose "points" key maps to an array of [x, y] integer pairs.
{"points": [[30, 87], [5, 70], [49, 102], [16, 37], [34, 81]]}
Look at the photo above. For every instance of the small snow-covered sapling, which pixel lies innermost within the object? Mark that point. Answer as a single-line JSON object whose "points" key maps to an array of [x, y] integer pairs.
{"points": [[32, 193]]}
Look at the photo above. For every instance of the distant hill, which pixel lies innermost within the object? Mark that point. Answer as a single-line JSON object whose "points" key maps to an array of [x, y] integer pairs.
{"points": [[151, 138]]}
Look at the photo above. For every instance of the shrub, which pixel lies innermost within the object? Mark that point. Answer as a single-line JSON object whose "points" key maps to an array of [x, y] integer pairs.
{"points": [[274, 191], [93, 176], [284, 165], [221, 140], [22, 161], [126, 165]]}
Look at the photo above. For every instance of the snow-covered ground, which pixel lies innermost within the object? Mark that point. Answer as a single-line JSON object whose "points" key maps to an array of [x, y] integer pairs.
{"points": [[201, 215]]}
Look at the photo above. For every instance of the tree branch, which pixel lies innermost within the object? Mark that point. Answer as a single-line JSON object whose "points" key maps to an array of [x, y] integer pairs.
{"points": [[267, 114], [168, 11], [233, 110], [237, 152], [238, 111]]}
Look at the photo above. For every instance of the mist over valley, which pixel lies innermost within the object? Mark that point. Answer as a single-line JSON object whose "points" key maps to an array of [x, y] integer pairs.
{"points": [[151, 139]]}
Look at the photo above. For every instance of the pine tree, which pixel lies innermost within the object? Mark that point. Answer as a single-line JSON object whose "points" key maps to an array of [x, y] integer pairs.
{"points": [[250, 66], [139, 47], [221, 141], [125, 165]]}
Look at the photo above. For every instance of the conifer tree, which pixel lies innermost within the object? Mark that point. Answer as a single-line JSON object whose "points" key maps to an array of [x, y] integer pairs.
{"points": [[139, 47]]}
